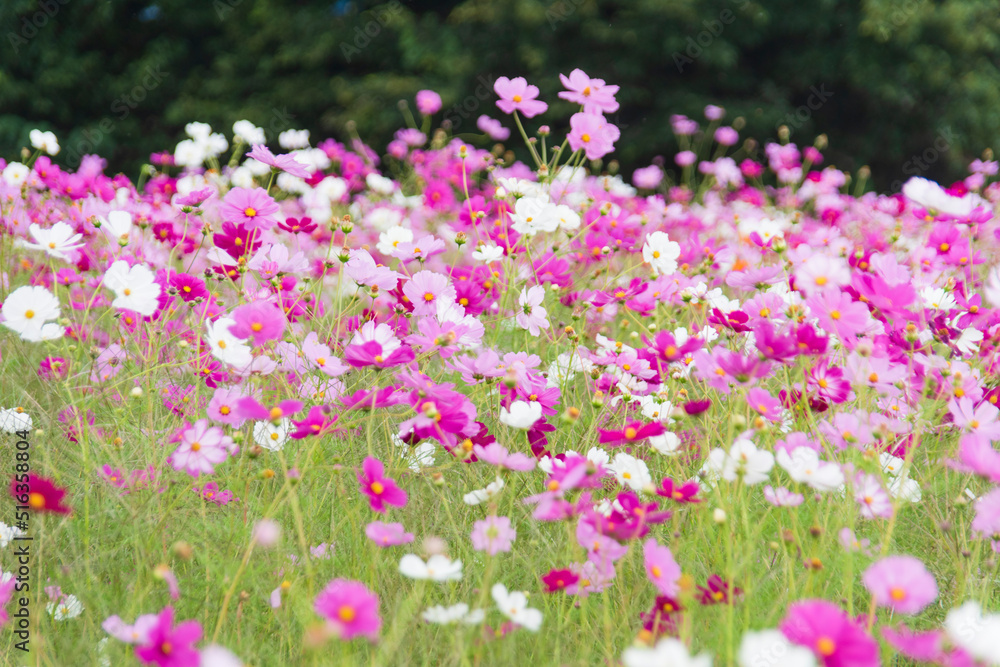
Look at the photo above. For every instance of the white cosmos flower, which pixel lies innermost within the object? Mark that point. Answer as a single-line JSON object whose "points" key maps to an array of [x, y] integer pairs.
{"points": [[380, 184], [392, 237], [45, 141], [668, 651], [55, 241], [522, 415], [248, 133], [135, 287], [742, 459], [270, 435], [8, 533], [487, 253], [16, 174], [771, 647], [13, 420], [68, 607], [804, 466], [28, 311], [661, 253], [514, 605], [534, 214], [214, 655], [458, 613], [226, 347], [938, 298], [117, 225], [482, 495], [668, 443], [437, 568], [977, 634], [630, 471]]}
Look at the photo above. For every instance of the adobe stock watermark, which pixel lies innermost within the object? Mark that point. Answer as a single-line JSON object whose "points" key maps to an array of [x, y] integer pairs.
{"points": [[280, 121], [902, 13], [363, 35], [37, 21], [461, 111], [919, 164], [696, 45], [560, 10], [121, 107], [817, 98]]}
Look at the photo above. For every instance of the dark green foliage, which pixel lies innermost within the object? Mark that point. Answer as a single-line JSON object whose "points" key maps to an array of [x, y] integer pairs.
{"points": [[906, 86]]}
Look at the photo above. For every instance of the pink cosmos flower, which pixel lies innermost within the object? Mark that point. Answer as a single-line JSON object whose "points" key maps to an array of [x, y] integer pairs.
{"points": [[647, 178], [821, 272], [661, 568], [493, 535], [260, 320], [593, 94], [6, 592], [987, 519], [428, 102], [426, 289], [838, 313], [380, 490], [830, 634], [286, 163], [222, 406], [901, 583], [248, 408], [137, 633], [977, 455], [981, 420], [497, 455], [169, 646], [531, 315], [593, 134], [350, 608], [517, 95], [254, 209], [377, 345], [493, 128], [318, 422], [387, 534], [782, 497], [766, 405], [873, 501], [201, 448]]}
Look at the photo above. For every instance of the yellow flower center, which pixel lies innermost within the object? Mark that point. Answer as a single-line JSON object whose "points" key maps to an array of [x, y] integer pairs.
{"points": [[36, 501], [256, 326], [835, 314], [377, 488], [825, 646], [585, 138], [250, 211], [517, 98], [897, 593], [428, 296], [630, 432], [195, 446], [346, 614], [821, 280], [28, 314]]}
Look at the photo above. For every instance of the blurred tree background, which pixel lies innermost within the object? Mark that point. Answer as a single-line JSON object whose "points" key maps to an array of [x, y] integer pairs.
{"points": [[905, 86]]}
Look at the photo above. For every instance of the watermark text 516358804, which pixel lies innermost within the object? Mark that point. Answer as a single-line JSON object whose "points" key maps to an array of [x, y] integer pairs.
{"points": [[21, 541]]}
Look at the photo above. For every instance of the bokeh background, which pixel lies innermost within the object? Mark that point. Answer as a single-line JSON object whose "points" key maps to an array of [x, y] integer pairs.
{"points": [[908, 87]]}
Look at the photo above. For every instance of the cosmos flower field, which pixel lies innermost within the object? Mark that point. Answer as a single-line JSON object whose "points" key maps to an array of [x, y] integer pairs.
{"points": [[325, 404]]}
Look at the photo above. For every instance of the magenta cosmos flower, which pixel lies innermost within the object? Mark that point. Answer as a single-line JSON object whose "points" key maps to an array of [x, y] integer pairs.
{"points": [[493, 535], [381, 490], [387, 534], [826, 630], [497, 455], [254, 209], [592, 133], [901, 583], [518, 95], [350, 608], [201, 448], [260, 320], [169, 646]]}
